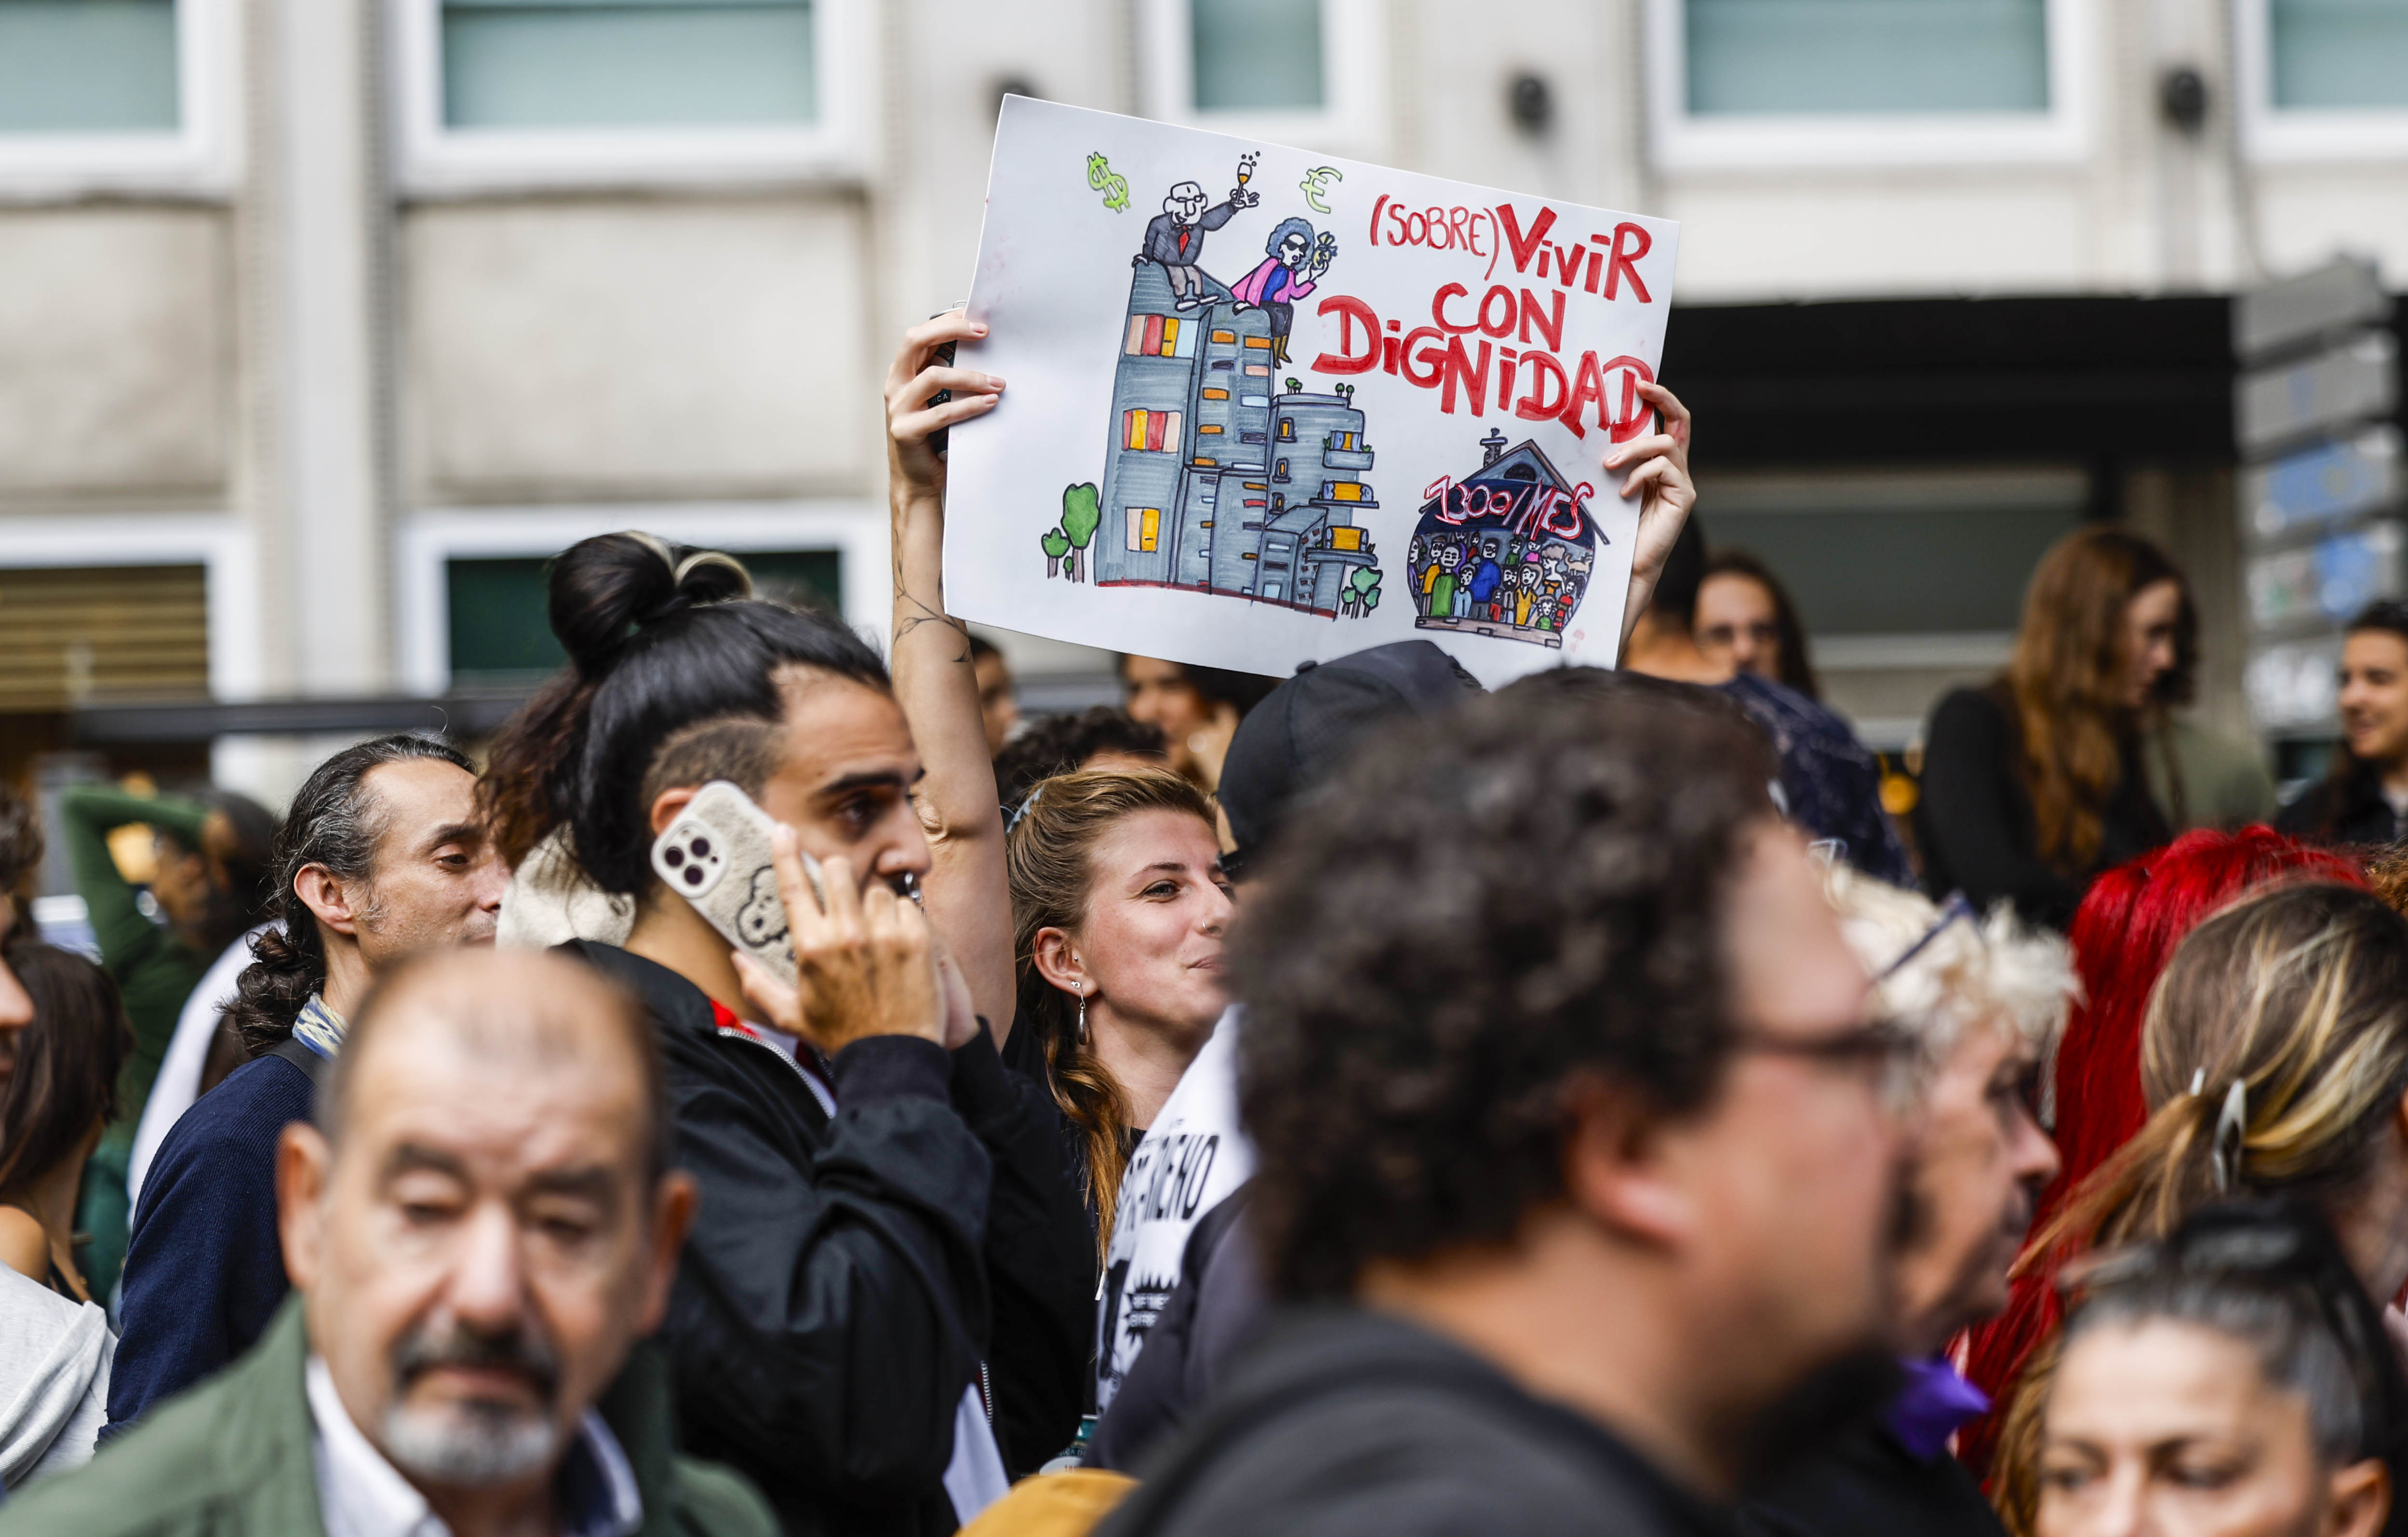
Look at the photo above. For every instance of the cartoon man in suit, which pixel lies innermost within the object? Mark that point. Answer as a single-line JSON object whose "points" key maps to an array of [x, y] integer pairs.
{"points": [[1174, 239]]}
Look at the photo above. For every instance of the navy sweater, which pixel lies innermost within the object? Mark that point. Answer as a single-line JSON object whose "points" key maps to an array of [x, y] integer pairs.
{"points": [[205, 1271]]}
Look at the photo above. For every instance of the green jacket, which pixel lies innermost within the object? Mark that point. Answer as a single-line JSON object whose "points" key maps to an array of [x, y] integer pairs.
{"points": [[231, 1459], [154, 969]]}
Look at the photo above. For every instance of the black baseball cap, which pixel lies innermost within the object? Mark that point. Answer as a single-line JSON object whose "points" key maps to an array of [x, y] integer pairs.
{"points": [[1303, 731]]}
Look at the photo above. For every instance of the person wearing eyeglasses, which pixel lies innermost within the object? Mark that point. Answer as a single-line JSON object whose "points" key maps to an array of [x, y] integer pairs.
{"points": [[1981, 999], [2233, 1380]]}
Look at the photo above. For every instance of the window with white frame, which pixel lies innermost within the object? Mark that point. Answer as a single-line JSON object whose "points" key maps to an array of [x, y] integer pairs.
{"points": [[1305, 72], [115, 95], [502, 92], [87, 66], [2337, 54], [1257, 56], [623, 63], [1865, 56], [1758, 83]]}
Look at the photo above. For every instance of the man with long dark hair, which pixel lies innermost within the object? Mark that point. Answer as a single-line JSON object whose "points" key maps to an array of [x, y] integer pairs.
{"points": [[382, 855]]}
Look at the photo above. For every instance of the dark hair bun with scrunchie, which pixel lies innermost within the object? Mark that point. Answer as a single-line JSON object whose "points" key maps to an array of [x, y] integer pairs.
{"points": [[659, 636], [606, 588]]}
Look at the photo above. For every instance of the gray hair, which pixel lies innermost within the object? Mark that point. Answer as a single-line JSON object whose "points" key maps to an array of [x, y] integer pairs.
{"points": [[1938, 972]]}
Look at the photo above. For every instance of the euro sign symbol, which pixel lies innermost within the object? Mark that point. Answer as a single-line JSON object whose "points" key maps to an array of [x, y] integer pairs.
{"points": [[1101, 176], [1315, 185]]}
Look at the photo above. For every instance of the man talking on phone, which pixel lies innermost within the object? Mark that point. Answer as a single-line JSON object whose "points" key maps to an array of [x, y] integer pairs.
{"points": [[883, 1206]]}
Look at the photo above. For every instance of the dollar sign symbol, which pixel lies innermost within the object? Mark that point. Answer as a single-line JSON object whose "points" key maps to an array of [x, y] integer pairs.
{"points": [[1115, 187]]}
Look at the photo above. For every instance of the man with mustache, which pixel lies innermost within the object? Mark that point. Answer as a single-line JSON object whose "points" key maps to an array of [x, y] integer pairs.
{"points": [[480, 1233], [1982, 1000], [381, 855]]}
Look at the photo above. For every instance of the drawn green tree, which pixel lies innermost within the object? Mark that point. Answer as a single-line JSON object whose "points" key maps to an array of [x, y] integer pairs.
{"points": [[1082, 511], [1057, 544], [1363, 589]]}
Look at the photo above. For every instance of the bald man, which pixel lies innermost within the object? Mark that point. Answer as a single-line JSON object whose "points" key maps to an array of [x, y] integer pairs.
{"points": [[478, 1238]]}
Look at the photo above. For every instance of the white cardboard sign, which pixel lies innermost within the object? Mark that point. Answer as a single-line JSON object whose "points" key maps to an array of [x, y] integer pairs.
{"points": [[1264, 406]]}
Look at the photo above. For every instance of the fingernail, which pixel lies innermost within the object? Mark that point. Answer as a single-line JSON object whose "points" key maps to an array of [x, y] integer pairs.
{"points": [[994, 381]]}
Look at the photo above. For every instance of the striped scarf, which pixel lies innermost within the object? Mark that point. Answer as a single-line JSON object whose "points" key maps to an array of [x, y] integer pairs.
{"points": [[318, 1027]]}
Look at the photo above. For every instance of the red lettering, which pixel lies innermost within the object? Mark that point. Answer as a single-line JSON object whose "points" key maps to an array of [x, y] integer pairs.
{"points": [[1433, 358], [1438, 307], [1567, 264], [1634, 420], [1502, 328], [1456, 236], [1350, 311], [1535, 407], [1388, 355], [1398, 227], [1550, 327], [1505, 356], [1475, 378], [1375, 217], [1596, 259], [1564, 514], [1625, 262], [1588, 386], [1525, 246], [1413, 221]]}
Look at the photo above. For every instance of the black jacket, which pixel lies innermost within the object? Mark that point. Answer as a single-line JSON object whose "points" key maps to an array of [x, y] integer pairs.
{"points": [[1975, 821], [1868, 1484], [1345, 1423], [1209, 1316], [833, 1301], [2347, 808]]}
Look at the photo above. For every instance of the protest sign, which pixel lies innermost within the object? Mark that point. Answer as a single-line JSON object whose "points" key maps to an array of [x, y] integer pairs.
{"points": [[1264, 406]]}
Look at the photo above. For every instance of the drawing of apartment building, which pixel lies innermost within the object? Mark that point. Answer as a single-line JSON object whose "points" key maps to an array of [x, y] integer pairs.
{"points": [[1215, 480]]}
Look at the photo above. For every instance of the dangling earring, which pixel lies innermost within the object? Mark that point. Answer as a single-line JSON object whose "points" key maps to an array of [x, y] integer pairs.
{"points": [[1083, 1014]]}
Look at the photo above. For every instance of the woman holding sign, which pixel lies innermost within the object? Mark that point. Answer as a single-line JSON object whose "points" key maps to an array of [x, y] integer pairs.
{"points": [[1090, 926]]}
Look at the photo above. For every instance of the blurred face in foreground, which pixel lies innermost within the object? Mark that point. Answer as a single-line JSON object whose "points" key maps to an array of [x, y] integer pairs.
{"points": [[2171, 1428], [1792, 1172], [2374, 697], [484, 1243]]}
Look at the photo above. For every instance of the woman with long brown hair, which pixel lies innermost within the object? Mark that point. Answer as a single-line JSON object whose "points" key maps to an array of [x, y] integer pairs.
{"points": [[2035, 784], [1119, 952]]}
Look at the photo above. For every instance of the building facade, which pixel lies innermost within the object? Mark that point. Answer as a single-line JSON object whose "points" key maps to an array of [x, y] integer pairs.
{"points": [[323, 322]]}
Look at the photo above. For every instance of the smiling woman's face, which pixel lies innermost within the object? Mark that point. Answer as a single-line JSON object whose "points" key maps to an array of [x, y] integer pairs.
{"points": [[1156, 913], [2171, 1427]]}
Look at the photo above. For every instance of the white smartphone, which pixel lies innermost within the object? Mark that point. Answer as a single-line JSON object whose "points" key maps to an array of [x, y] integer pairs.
{"points": [[716, 855]]}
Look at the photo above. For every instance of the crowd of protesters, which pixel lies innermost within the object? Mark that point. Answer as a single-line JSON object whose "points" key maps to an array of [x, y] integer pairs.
{"points": [[1357, 1102]]}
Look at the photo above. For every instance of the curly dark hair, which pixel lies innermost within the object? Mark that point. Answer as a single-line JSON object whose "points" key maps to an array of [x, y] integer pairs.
{"points": [[1062, 744], [1482, 908]]}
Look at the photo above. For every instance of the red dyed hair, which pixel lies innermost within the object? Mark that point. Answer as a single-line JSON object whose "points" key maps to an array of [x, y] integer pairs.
{"points": [[2123, 935]]}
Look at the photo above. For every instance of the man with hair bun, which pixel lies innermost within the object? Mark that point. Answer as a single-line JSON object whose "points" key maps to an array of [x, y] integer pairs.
{"points": [[481, 1232], [382, 855]]}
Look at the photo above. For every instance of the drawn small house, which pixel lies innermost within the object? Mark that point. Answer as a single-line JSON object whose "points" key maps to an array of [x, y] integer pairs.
{"points": [[1506, 551]]}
